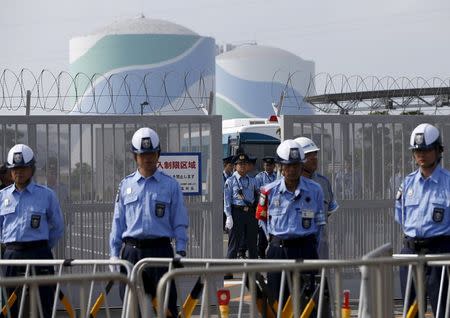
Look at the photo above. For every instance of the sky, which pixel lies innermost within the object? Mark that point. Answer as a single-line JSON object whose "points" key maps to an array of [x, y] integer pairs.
{"points": [[353, 37]]}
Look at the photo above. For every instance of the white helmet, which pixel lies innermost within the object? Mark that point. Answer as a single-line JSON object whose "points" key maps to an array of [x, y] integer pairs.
{"points": [[20, 156], [425, 136], [289, 152], [307, 144], [145, 140]]}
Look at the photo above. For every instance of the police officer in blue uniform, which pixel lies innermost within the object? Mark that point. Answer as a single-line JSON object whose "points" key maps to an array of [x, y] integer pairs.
{"points": [[31, 222], [266, 176], [227, 172], [148, 213], [239, 198], [293, 210], [422, 208]]}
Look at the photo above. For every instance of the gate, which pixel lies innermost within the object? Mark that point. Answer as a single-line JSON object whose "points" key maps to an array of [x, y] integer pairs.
{"points": [[84, 158], [365, 159]]}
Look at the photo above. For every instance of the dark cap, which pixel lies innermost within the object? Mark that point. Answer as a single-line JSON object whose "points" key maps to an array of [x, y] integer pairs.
{"points": [[3, 168], [252, 159], [240, 158], [227, 160], [268, 159]]}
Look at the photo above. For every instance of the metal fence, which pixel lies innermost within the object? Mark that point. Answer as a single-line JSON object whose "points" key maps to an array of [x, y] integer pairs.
{"points": [[84, 158], [365, 159]]}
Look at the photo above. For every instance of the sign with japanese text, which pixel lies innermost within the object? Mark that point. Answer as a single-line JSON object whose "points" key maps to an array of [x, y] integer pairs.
{"points": [[185, 167]]}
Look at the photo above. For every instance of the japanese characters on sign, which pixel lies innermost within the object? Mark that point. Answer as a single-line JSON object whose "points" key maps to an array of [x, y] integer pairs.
{"points": [[185, 167]]}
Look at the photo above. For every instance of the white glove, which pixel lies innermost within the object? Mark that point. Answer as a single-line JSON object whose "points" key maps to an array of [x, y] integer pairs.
{"points": [[229, 223], [114, 268]]}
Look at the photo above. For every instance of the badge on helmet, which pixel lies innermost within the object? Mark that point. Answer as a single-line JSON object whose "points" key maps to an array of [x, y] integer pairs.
{"points": [[18, 158]]}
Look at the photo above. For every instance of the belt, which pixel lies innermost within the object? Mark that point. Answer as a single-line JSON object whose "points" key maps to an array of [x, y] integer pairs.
{"points": [[424, 244], [300, 241], [243, 208], [147, 243], [20, 246]]}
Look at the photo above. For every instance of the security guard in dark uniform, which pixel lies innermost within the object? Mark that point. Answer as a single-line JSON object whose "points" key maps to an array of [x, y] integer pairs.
{"points": [[148, 213], [422, 208], [239, 199], [293, 210], [264, 177], [31, 222]]}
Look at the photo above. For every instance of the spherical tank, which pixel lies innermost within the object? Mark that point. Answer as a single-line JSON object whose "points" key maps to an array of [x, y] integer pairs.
{"points": [[250, 80], [142, 65]]}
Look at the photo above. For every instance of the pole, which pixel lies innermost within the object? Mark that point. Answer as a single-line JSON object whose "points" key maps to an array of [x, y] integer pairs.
{"points": [[28, 103]]}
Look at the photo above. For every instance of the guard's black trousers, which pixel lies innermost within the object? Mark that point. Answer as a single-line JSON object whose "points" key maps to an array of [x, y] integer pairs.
{"points": [[299, 248], [436, 245], [151, 275], [245, 226], [46, 292]]}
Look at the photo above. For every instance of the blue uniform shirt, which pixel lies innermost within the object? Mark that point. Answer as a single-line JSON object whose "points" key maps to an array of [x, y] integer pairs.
{"points": [[264, 178], [149, 208], [231, 194], [330, 204], [422, 206], [31, 215], [297, 214]]}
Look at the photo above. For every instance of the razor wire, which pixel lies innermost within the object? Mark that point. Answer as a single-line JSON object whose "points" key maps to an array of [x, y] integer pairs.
{"points": [[344, 94], [128, 93], [161, 93]]}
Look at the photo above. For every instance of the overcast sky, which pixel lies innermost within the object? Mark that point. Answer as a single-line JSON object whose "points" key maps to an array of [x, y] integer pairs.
{"points": [[383, 37]]}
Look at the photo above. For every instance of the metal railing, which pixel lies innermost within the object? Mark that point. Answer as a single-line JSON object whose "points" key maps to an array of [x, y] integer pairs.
{"points": [[380, 268]]}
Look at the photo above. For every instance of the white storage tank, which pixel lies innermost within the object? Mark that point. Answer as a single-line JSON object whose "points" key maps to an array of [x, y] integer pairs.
{"points": [[250, 78], [154, 64]]}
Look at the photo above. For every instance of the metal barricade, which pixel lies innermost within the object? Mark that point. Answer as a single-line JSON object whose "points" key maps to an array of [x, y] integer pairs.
{"points": [[185, 290], [34, 282], [380, 266], [63, 268]]}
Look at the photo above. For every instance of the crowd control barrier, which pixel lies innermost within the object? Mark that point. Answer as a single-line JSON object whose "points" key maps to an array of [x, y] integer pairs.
{"points": [[377, 277], [68, 298]]}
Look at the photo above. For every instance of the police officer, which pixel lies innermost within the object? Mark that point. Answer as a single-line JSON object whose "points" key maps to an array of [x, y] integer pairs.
{"points": [[226, 173], [31, 222], [239, 199], [264, 177], [148, 213], [5, 177], [251, 166], [422, 208], [292, 208], [227, 168], [309, 171]]}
